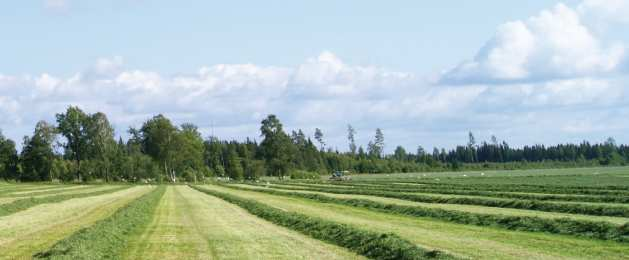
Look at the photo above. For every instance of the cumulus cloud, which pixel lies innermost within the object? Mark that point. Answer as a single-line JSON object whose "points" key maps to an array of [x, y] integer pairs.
{"points": [[229, 94], [614, 10], [323, 92], [57, 5], [554, 44]]}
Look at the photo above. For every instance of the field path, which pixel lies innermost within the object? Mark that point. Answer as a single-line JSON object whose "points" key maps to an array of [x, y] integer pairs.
{"points": [[463, 240], [37, 228], [191, 225]]}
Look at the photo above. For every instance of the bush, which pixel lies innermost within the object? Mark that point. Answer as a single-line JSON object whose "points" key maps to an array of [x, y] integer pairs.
{"points": [[299, 174]]}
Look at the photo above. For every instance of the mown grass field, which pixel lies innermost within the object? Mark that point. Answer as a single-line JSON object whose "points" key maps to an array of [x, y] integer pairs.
{"points": [[537, 214]]}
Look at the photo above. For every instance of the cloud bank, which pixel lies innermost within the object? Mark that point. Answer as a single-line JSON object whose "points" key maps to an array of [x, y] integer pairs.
{"points": [[546, 79]]}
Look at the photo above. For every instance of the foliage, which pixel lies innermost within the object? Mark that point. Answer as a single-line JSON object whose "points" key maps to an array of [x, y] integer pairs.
{"points": [[161, 151], [37, 155]]}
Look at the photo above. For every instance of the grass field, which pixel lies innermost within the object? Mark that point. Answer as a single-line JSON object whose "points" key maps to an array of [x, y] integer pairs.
{"points": [[536, 214]]}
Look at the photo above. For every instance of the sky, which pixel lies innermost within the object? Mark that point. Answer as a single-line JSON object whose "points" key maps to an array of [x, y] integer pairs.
{"points": [[426, 73]]}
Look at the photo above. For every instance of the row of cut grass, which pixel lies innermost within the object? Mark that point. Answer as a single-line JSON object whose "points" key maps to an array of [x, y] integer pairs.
{"points": [[38, 228], [367, 243], [12, 188], [595, 210], [108, 237], [465, 208], [467, 241], [548, 189], [563, 226], [22, 204], [189, 224], [33, 193], [497, 194]]}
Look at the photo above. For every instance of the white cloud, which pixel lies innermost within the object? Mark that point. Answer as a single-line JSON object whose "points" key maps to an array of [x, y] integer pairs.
{"points": [[322, 92], [615, 10], [554, 44], [57, 5]]}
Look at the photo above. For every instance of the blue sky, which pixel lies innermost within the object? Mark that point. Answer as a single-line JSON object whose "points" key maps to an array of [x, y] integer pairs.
{"points": [[426, 73]]}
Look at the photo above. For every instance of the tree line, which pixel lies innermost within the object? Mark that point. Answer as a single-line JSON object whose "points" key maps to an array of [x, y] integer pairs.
{"points": [[82, 147]]}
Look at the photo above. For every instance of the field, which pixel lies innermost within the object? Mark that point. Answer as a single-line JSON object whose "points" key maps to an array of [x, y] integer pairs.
{"points": [[535, 214]]}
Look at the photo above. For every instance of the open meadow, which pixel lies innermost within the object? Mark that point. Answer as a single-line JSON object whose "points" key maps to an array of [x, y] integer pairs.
{"points": [[535, 214]]}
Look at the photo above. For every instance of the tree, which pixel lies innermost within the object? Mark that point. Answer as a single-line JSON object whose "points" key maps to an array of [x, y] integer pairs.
{"points": [[319, 137], [276, 147], [376, 147], [213, 156], [471, 151], [189, 150], [350, 137], [72, 125], [8, 158], [101, 143], [159, 140], [37, 154], [234, 168], [400, 153], [471, 140]]}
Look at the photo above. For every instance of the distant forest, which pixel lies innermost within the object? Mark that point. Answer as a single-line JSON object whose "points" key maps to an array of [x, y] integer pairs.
{"points": [[82, 147]]}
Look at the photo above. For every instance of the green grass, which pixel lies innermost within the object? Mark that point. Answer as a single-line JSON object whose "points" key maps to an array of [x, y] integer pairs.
{"points": [[22, 204], [368, 243], [565, 226], [453, 190], [461, 240], [12, 188], [598, 176], [38, 228], [107, 238], [595, 210], [189, 224]]}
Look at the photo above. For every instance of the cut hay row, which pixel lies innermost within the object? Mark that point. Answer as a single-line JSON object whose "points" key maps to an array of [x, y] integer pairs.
{"points": [[189, 224], [563, 226], [595, 210], [108, 237], [22, 204], [12, 188], [85, 189], [467, 241], [455, 207], [32, 193], [37, 228], [550, 189], [367, 243], [496, 194]]}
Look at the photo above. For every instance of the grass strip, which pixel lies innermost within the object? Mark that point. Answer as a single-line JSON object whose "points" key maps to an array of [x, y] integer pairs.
{"points": [[595, 210], [6, 191], [552, 189], [52, 192], [107, 238], [367, 243], [22, 204], [496, 194], [563, 226]]}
